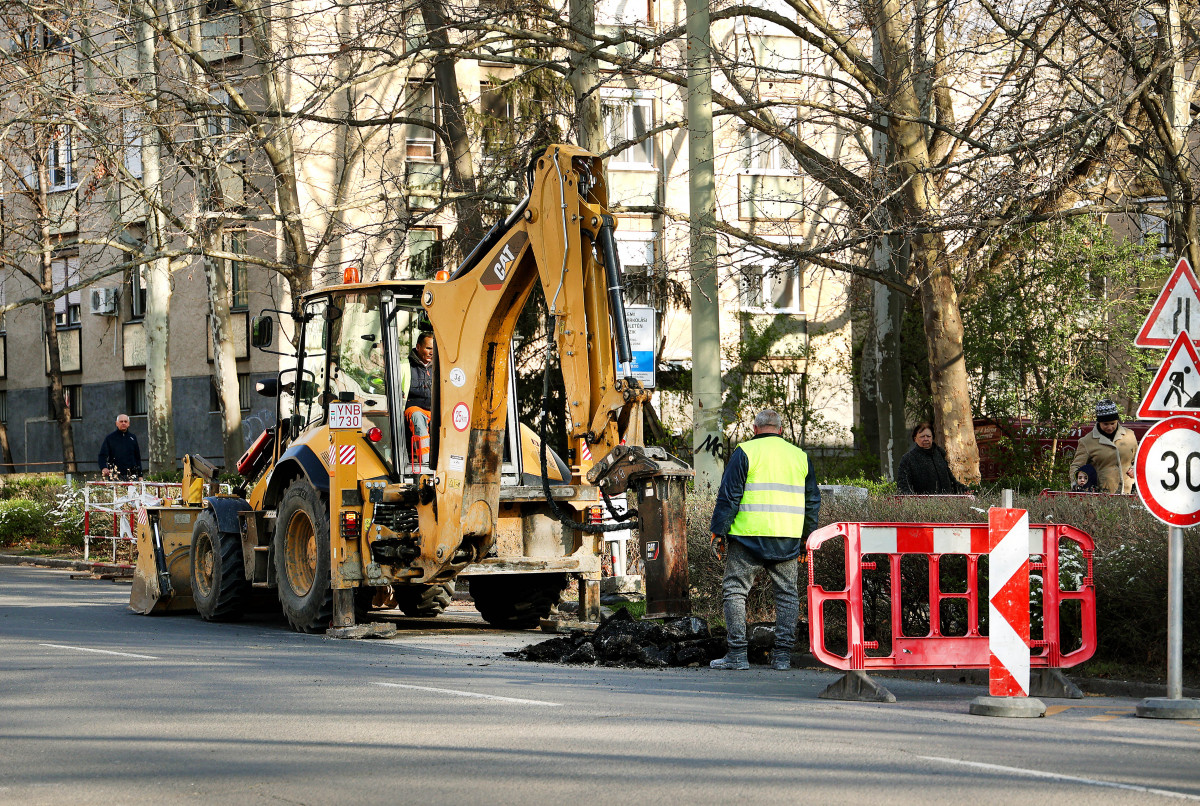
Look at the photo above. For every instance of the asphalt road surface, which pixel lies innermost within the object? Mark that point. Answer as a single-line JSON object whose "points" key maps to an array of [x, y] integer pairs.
{"points": [[98, 705]]}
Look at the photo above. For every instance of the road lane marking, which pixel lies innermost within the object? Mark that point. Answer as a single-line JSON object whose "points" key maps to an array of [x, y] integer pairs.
{"points": [[470, 694], [101, 651], [1064, 778]]}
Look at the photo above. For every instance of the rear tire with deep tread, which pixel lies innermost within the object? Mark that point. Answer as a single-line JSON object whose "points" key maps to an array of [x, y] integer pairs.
{"points": [[302, 558], [220, 591], [516, 601], [423, 601]]}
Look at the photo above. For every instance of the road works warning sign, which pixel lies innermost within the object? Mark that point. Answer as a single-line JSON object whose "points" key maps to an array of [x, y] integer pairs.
{"points": [[1177, 310], [1176, 387]]}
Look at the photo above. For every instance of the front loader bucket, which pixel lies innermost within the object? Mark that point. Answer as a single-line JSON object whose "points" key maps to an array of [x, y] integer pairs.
{"points": [[162, 577]]}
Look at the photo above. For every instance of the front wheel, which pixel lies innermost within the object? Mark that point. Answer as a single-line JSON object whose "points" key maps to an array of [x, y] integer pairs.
{"points": [[516, 601], [219, 586], [302, 558], [423, 601]]}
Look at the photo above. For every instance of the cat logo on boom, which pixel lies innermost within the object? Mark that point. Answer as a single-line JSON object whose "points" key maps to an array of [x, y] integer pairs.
{"points": [[494, 276]]}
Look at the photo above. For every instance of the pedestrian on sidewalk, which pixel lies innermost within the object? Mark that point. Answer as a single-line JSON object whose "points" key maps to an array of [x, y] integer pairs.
{"points": [[924, 469], [120, 455], [1110, 448], [766, 507]]}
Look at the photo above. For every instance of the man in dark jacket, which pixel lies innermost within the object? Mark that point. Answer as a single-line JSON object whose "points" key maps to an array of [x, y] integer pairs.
{"points": [[767, 506], [419, 404], [120, 455]]}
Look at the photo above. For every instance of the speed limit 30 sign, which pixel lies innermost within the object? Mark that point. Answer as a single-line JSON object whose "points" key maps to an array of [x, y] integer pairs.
{"points": [[1168, 471]]}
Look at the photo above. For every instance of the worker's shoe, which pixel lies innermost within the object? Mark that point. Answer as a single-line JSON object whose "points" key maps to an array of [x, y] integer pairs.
{"points": [[781, 660], [733, 661]]}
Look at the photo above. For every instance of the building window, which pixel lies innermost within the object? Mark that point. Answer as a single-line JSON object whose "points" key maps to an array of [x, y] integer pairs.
{"points": [[236, 270], [42, 37], [497, 109], [64, 273], [424, 253], [214, 400], [74, 399], [131, 122], [59, 160], [137, 289], [220, 125], [215, 8], [623, 12], [421, 138], [772, 288], [766, 154], [636, 252], [628, 119], [1153, 232], [414, 29], [4, 406], [135, 398]]}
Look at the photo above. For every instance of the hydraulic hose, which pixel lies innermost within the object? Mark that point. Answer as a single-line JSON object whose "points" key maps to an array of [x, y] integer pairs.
{"points": [[616, 298]]}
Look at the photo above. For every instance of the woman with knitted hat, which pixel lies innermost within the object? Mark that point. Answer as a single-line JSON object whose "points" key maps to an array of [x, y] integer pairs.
{"points": [[1110, 448]]}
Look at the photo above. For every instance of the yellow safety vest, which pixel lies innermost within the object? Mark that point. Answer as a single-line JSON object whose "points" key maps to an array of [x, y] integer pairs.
{"points": [[772, 504]]}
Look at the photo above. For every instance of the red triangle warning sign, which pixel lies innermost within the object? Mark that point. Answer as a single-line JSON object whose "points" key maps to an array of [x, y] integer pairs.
{"points": [[1176, 386], [1177, 310]]}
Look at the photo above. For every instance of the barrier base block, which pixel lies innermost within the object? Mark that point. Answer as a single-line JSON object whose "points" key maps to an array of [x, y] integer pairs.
{"points": [[1167, 708], [1052, 683], [1008, 706], [855, 686]]}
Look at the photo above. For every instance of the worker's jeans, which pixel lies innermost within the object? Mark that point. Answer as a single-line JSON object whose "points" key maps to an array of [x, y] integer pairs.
{"points": [[740, 566]]}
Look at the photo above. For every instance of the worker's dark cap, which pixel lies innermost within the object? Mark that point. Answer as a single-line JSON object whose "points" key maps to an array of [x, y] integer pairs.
{"points": [[1106, 411]]}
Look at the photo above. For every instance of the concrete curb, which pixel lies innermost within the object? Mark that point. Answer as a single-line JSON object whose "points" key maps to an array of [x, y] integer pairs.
{"points": [[54, 562]]}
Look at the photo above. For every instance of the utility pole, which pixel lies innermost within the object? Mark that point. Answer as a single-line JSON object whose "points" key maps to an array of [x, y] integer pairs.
{"points": [[585, 77], [708, 437], [888, 310]]}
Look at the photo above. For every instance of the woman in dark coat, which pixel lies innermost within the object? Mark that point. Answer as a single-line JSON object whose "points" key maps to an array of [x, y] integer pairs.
{"points": [[924, 469]]}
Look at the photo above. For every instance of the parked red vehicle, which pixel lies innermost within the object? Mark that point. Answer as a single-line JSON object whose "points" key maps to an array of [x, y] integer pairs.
{"points": [[1008, 446]]}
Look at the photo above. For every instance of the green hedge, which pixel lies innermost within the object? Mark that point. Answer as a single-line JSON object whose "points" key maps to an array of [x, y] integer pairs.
{"points": [[41, 509], [1130, 568]]}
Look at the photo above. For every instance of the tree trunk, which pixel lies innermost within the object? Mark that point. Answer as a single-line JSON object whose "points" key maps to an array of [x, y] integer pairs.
{"points": [[58, 397], [156, 323], [469, 227], [5, 449], [224, 359], [939, 298]]}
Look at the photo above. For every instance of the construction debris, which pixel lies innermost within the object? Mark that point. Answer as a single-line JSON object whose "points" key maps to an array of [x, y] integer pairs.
{"points": [[620, 640]]}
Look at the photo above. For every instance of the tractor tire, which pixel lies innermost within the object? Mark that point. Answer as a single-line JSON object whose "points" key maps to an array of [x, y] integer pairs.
{"points": [[219, 587], [516, 601], [423, 601], [302, 558]]}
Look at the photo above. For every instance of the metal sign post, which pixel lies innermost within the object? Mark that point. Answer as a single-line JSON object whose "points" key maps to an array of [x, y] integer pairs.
{"points": [[1168, 482]]}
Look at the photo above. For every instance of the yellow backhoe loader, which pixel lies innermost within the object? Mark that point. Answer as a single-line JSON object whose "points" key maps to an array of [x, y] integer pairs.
{"points": [[338, 507]]}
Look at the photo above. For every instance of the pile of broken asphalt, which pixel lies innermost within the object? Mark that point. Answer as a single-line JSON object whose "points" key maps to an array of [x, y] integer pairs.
{"points": [[620, 640]]}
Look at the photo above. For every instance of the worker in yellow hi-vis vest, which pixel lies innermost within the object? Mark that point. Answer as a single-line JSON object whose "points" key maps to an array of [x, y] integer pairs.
{"points": [[766, 507]]}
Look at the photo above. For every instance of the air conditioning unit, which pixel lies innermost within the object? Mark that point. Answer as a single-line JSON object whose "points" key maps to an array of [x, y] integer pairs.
{"points": [[104, 301]]}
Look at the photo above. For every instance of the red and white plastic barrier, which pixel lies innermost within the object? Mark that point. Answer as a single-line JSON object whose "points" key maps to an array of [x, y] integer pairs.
{"points": [[886, 544]]}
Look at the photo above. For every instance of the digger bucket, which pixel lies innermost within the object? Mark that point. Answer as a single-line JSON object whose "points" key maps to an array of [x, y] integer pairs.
{"points": [[162, 577], [662, 522]]}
